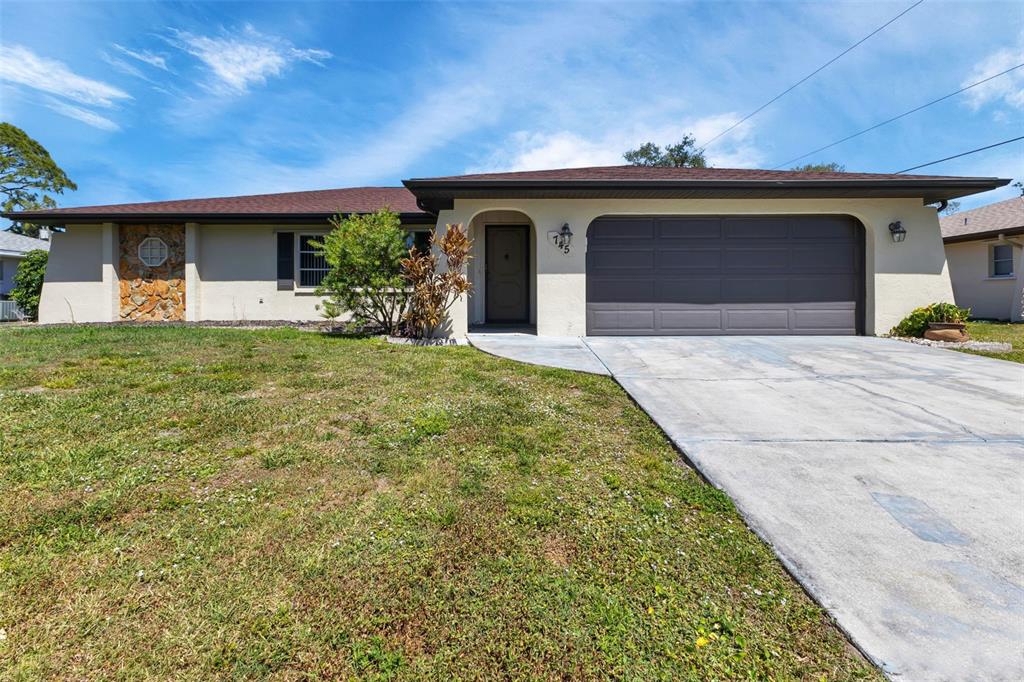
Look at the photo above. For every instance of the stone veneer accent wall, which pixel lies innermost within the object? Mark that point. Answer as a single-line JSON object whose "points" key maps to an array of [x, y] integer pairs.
{"points": [[152, 294]]}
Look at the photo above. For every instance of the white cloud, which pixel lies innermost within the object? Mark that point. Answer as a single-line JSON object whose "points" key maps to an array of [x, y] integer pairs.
{"points": [[526, 150], [246, 59], [22, 66], [1008, 89], [84, 115], [144, 56]]}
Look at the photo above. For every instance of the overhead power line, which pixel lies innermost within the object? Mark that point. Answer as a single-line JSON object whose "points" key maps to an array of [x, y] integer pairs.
{"points": [[957, 156], [807, 77], [896, 118]]}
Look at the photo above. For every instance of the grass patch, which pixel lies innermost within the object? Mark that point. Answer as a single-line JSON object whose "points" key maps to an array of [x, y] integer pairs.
{"points": [[1006, 332], [222, 503]]}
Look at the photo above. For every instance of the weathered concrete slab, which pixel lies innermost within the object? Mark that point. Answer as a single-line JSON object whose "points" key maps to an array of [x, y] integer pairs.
{"points": [[888, 477], [567, 352]]}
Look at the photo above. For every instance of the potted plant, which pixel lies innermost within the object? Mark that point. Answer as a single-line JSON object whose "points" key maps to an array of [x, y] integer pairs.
{"points": [[938, 322]]}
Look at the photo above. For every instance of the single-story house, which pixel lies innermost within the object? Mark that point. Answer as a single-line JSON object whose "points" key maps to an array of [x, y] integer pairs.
{"points": [[13, 248], [985, 251], [620, 250]]}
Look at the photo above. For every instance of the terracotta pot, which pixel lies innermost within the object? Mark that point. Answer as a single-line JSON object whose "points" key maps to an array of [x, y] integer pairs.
{"points": [[947, 331]]}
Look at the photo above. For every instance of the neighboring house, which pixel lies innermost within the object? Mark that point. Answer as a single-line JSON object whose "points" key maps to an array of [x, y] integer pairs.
{"points": [[652, 251], [985, 250], [13, 248]]}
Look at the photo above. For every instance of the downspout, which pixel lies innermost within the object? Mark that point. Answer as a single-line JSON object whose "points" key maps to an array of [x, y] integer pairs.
{"points": [[942, 206]]}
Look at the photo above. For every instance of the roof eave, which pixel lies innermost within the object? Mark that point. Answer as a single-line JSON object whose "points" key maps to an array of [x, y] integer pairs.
{"points": [[56, 217], [930, 191], [986, 235]]}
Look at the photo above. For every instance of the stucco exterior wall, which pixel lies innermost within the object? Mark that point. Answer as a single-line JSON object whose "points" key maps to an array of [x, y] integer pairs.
{"points": [[899, 277], [236, 272], [997, 298], [78, 282]]}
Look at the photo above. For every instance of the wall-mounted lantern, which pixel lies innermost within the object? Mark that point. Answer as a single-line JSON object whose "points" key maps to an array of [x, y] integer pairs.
{"points": [[897, 231], [562, 239]]}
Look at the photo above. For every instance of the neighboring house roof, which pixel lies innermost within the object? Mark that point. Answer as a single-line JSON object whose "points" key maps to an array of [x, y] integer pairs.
{"points": [[645, 182], [313, 205], [17, 245], [984, 222], [422, 196]]}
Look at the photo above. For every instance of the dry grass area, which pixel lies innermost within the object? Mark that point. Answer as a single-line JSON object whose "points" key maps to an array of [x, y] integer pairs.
{"points": [[222, 503]]}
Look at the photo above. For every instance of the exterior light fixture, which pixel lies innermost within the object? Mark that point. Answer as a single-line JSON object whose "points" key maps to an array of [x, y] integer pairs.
{"points": [[897, 231], [563, 238]]}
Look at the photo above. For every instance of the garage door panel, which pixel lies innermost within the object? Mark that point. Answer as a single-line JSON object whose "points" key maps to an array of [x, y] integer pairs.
{"points": [[688, 290], [621, 260], [671, 228], [759, 228], [725, 275], [767, 258], [674, 260], [689, 320]]}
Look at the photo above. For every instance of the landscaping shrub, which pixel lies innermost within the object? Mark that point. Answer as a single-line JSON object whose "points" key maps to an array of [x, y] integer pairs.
{"points": [[433, 292], [365, 254], [916, 323], [28, 282]]}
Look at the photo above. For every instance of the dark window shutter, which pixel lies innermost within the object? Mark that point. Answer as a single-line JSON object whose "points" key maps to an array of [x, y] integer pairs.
{"points": [[286, 255]]}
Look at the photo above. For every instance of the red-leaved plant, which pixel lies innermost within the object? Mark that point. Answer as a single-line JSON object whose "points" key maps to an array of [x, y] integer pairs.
{"points": [[432, 292]]}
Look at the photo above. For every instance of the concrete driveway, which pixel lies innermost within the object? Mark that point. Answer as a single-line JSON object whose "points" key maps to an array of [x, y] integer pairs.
{"points": [[888, 477]]}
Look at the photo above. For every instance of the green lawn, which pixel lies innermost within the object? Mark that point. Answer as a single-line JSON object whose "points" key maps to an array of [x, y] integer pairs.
{"points": [[222, 503], [999, 331]]}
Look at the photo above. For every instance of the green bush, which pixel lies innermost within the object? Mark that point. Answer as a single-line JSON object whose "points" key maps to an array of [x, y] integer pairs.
{"points": [[28, 282], [916, 323], [365, 254]]}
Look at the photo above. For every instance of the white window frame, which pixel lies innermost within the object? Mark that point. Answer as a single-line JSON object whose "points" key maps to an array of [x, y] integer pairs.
{"points": [[992, 261], [299, 236], [151, 240]]}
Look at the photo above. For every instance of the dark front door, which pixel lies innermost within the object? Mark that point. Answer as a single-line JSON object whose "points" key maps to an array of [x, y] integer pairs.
{"points": [[508, 273], [725, 275]]}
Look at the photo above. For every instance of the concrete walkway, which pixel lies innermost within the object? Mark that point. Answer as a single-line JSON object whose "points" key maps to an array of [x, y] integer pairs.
{"points": [[888, 477]]}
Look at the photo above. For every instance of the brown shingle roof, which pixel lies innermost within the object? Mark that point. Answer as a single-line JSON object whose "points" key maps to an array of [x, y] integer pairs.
{"points": [[1002, 216], [325, 202], [611, 173]]}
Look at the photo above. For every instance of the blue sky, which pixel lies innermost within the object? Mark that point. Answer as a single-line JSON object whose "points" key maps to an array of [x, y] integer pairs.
{"points": [[145, 101]]}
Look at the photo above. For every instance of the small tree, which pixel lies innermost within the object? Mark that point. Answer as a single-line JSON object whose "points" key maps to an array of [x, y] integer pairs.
{"points": [[680, 155], [27, 173], [28, 282], [433, 292], [365, 254]]}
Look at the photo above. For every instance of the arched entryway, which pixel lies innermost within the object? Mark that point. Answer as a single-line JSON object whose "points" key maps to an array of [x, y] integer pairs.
{"points": [[503, 270]]}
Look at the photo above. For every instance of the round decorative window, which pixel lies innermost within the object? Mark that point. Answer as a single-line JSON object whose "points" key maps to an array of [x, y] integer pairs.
{"points": [[153, 251]]}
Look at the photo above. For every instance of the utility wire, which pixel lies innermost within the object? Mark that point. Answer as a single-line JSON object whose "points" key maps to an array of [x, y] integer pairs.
{"points": [[957, 156], [807, 77], [896, 118]]}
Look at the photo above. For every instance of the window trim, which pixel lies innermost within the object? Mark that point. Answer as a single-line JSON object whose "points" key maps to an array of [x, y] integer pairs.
{"points": [[992, 261], [299, 235], [166, 251]]}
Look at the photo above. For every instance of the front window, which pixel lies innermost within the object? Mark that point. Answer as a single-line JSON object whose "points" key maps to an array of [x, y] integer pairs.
{"points": [[419, 240], [1002, 260], [312, 264]]}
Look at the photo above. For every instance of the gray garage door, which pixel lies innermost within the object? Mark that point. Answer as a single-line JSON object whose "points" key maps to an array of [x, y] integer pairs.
{"points": [[725, 275]]}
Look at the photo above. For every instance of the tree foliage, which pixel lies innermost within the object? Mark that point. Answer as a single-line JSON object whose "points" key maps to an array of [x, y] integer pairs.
{"points": [[27, 174], [433, 292], [28, 282], [683, 154], [365, 253], [831, 167]]}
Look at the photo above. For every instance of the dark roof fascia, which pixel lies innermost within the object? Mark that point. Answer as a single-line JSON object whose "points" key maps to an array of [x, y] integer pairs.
{"points": [[930, 191], [57, 218], [983, 236]]}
